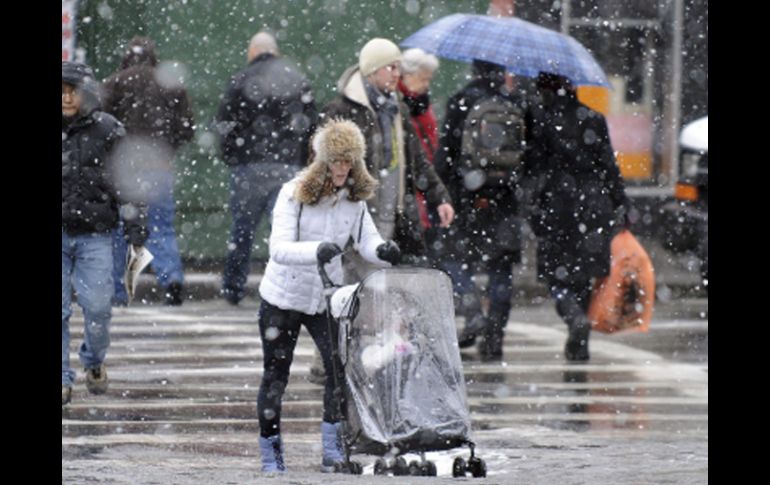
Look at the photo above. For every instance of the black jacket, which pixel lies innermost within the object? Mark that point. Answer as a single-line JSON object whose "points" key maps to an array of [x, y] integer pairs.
{"points": [[579, 190], [267, 114], [89, 201], [487, 222]]}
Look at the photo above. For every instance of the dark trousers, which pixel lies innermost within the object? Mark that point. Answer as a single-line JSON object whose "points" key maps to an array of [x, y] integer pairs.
{"points": [[500, 291], [279, 330], [572, 298]]}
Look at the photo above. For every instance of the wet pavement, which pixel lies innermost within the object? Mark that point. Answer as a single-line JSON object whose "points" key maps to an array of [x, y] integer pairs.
{"points": [[181, 408]]}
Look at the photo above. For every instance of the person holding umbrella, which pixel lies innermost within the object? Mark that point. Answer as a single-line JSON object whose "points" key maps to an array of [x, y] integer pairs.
{"points": [[481, 150], [579, 202]]}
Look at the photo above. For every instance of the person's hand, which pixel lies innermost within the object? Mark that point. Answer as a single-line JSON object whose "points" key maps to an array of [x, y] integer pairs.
{"points": [[446, 213], [626, 214], [326, 251], [389, 251]]}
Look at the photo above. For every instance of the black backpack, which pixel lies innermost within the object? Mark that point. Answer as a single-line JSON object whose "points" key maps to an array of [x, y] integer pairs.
{"points": [[493, 136]]}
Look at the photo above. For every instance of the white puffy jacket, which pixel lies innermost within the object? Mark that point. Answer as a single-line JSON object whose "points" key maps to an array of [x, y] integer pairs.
{"points": [[291, 280]]}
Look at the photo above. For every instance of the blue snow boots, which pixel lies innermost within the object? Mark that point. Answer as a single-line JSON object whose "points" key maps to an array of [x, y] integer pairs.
{"points": [[332, 447], [272, 453]]}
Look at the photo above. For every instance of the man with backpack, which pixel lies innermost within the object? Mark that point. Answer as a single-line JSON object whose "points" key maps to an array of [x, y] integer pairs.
{"points": [[480, 155]]}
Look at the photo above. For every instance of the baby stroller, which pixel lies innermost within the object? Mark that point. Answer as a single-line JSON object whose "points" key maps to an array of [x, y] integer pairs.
{"points": [[402, 386]]}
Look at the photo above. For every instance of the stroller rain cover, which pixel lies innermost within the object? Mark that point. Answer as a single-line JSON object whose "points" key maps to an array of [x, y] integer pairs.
{"points": [[404, 382]]}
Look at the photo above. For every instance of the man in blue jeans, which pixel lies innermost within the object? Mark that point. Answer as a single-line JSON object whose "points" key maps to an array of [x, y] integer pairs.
{"points": [[154, 108], [166, 263], [264, 123], [89, 215]]}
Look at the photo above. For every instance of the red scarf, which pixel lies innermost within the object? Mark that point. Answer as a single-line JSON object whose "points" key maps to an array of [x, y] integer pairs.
{"points": [[424, 123]]}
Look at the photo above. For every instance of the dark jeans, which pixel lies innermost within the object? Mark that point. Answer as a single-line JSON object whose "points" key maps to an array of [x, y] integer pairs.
{"points": [[572, 298], [253, 190], [279, 330], [500, 291]]}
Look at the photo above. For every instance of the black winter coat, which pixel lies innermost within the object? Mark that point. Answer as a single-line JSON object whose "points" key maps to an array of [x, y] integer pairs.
{"points": [[267, 114], [487, 222], [579, 190], [89, 201]]}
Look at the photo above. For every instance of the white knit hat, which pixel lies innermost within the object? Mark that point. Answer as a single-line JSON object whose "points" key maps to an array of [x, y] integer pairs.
{"points": [[377, 53]]}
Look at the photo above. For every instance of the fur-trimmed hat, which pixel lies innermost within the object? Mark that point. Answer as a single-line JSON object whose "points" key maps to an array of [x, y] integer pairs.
{"points": [[377, 53], [338, 139]]}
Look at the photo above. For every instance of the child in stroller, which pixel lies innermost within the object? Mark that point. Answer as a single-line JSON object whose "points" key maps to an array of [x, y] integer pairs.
{"points": [[404, 387]]}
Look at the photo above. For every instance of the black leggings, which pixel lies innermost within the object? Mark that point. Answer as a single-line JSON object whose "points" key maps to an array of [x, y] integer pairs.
{"points": [[279, 330]]}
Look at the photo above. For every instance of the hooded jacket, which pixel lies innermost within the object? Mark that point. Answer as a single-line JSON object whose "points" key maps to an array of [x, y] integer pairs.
{"points": [[307, 212], [145, 106], [352, 103], [90, 203]]}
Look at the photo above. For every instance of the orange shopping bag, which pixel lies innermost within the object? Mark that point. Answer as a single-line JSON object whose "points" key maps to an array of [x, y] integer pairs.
{"points": [[623, 300]]}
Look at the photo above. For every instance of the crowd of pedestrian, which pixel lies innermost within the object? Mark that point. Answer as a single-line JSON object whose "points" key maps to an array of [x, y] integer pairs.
{"points": [[371, 179]]}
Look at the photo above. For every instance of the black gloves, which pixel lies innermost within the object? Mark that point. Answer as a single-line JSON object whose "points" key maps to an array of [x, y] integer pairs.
{"points": [[326, 251], [388, 251]]}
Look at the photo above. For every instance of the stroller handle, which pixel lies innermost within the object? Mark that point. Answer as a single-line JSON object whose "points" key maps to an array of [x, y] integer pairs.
{"points": [[327, 282]]}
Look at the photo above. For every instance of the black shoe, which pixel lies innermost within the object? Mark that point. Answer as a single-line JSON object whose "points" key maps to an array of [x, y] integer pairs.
{"points": [[230, 295], [491, 346], [119, 302], [491, 349], [473, 327], [174, 294], [576, 348]]}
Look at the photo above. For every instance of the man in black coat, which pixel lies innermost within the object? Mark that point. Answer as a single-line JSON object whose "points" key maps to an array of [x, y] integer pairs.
{"points": [[580, 202], [152, 104], [89, 213], [264, 123], [480, 164]]}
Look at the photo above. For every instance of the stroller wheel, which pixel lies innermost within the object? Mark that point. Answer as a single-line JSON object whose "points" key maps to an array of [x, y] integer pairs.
{"points": [[428, 469], [477, 467], [415, 469], [380, 467], [355, 468], [351, 467], [400, 467], [458, 467]]}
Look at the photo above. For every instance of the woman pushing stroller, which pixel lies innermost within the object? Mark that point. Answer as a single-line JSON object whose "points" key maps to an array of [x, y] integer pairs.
{"points": [[316, 214]]}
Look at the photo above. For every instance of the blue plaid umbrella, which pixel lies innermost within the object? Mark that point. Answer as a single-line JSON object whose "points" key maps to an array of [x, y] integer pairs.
{"points": [[523, 47]]}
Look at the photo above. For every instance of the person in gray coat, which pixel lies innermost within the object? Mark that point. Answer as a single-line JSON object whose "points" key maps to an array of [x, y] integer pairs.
{"points": [[369, 96]]}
